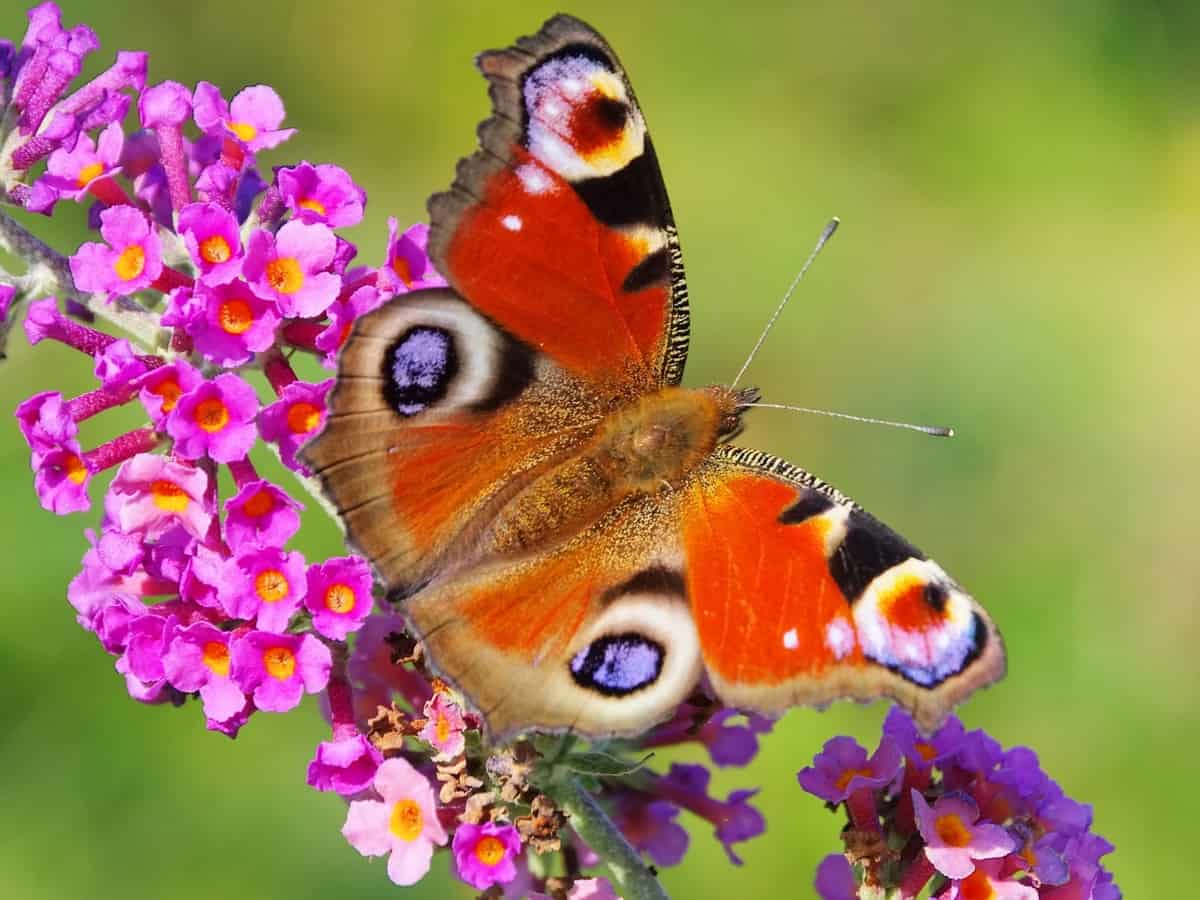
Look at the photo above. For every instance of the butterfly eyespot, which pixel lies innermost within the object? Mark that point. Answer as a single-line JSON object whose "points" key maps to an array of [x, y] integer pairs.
{"points": [[419, 368], [620, 664]]}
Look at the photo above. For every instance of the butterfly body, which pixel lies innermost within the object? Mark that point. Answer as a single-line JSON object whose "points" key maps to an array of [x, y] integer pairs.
{"points": [[568, 529]]}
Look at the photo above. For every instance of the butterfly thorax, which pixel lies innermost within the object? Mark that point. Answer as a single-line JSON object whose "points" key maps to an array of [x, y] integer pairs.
{"points": [[651, 444]]}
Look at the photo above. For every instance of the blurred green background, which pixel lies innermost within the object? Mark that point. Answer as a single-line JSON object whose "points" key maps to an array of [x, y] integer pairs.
{"points": [[1020, 193]]}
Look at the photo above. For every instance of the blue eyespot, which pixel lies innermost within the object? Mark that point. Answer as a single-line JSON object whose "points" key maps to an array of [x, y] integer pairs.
{"points": [[618, 664], [419, 368]]}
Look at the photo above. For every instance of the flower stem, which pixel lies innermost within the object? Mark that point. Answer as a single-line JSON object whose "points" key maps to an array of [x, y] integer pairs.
{"points": [[50, 272], [634, 879]]}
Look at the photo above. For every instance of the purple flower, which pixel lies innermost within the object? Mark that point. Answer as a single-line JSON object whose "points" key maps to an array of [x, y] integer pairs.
{"points": [[443, 727], [347, 766], [152, 494], [117, 365], [167, 103], [252, 118], [142, 661], [228, 323], [197, 659], [296, 416], [265, 584], [485, 854], [735, 820], [46, 423], [953, 840], [339, 596], [88, 169], [324, 193], [161, 389], [649, 825], [842, 768], [211, 236], [7, 294], [835, 879], [61, 479], [129, 262], [922, 752], [261, 514], [289, 267], [728, 744], [278, 669], [215, 419], [342, 315], [407, 267]]}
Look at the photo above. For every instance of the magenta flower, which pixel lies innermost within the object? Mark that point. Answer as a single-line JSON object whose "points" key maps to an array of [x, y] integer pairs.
{"points": [[485, 854], [117, 365], [152, 494], [296, 416], [986, 883], [215, 419], [339, 595], [953, 840], [342, 315], [404, 823], [88, 169], [252, 118], [919, 751], [323, 193], [842, 768], [129, 262], [46, 423], [289, 267], [347, 766], [141, 663], [276, 670], [61, 479], [261, 514], [161, 389], [197, 659], [835, 879], [265, 584], [228, 323], [649, 825], [444, 727], [407, 267], [212, 238]]}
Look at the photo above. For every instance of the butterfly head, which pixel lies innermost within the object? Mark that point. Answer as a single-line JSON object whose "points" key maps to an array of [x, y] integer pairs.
{"points": [[732, 403]]}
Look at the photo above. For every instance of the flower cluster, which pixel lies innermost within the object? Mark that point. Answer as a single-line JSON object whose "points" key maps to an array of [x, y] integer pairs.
{"points": [[957, 814]]}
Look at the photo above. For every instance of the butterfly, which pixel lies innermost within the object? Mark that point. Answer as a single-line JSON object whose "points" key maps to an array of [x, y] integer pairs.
{"points": [[567, 530]]}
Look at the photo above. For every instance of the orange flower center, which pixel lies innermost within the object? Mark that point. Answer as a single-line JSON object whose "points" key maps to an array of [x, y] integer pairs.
{"points": [[303, 417], [280, 662], [74, 469], [169, 496], [407, 821], [976, 886], [284, 275], [259, 505], [211, 415], [489, 850], [339, 598], [215, 249], [130, 263], [244, 130], [315, 205], [235, 316], [927, 751], [442, 728], [844, 778], [170, 391], [403, 271], [216, 658], [89, 174], [952, 831], [271, 585]]}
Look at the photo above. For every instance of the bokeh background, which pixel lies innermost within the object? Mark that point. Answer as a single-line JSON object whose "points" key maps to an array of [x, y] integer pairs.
{"points": [[1020, 190]]}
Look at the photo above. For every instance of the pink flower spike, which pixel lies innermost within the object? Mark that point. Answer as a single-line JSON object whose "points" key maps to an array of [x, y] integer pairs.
{"points": [[265, 584], [289, 267], [211, 236], [152, 494], [324, 193], [294, 418], [161, 389], [443, 727], [278, 669], [131, 260], [952, 839], [261, 514], [197, 659], [404, 823], [407, 267], [215, 419], [339, 595], [485, 854], [347, 766]]}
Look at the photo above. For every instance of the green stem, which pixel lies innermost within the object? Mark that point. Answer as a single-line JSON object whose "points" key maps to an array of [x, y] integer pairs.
{"points": [[50, 273], [634, 879]]}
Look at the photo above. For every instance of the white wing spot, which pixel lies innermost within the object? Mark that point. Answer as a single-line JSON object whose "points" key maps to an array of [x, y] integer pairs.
{"points": [[839, 637], [533, 179], [791, 640], [512, 223]]}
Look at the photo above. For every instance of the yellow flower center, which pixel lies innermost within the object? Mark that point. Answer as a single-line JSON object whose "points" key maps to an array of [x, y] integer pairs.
{"points": [[489, 850], [952, 831], [74, 469], [271, 585], [168, 496], [216, 658], [170, 391], [259, 505], [844, 778], [403, 271], [407, 821], [303, 417], [315, 205], [244, 130], [212, 414], [130, 264], [215, 249], [339, 598], [235, 316], [442, 728], [89, 174], [280, 662], [284, 275]]}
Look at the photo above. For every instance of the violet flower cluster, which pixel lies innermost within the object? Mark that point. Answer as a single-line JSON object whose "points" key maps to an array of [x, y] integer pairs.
{"points": [[955, 814], [224, 277]]}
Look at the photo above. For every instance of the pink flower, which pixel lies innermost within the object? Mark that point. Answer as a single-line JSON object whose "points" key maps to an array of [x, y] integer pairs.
{"points": [[952, 839], [443, 727], [404, 823], [197, 659], [161, 388], [46, 423], [61, 479], [211, 236], [407, 267], [323, 193], [129, 262], [278, 669], [88, 168], [117, 365], [842, 768], [289, 267], [152, 494], [216, 419], [342, 316], [986, 883], [297, 416], [265, 584], [485, 854], [261, 514], [252, 118], [347, 766], [339, 595], [228, 323]]}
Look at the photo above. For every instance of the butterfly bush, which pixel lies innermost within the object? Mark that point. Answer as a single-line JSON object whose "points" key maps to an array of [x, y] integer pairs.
{"points": [[223, 275]]}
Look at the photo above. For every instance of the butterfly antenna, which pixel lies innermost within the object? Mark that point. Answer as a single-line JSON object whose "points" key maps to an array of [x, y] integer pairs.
{"points": [[826, 234], [933, 430]]}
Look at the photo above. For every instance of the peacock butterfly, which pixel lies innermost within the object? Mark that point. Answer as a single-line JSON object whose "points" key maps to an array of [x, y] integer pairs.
{"points": [[567, 529]]}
